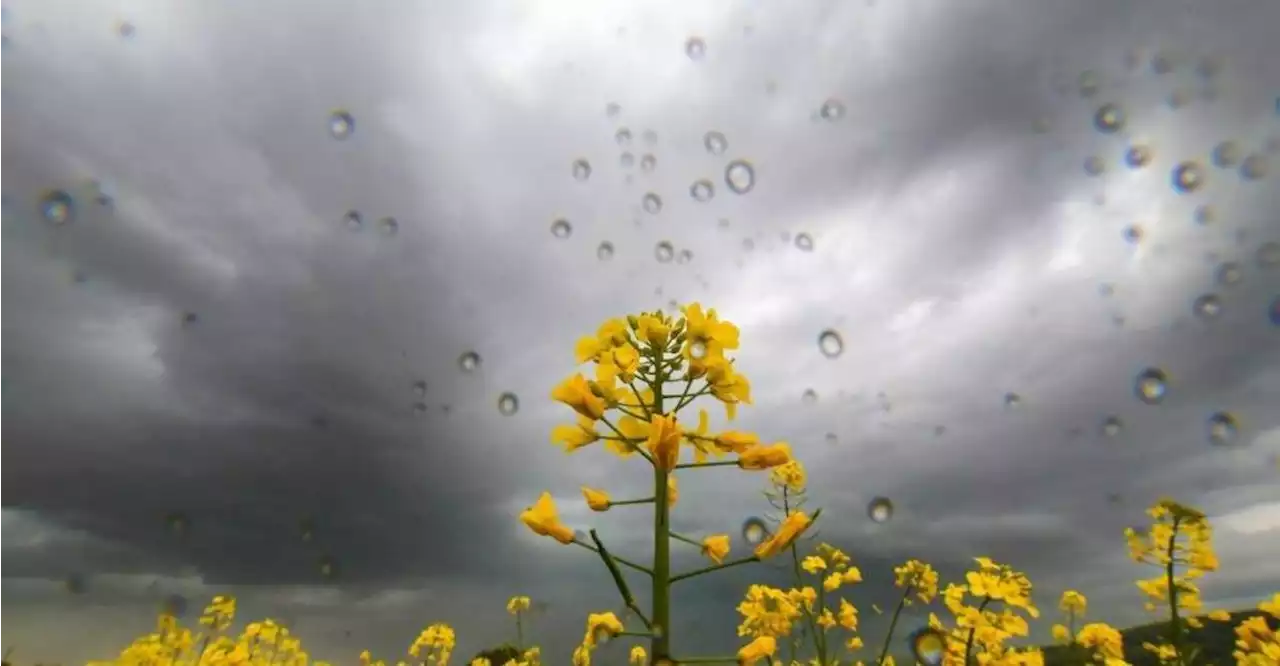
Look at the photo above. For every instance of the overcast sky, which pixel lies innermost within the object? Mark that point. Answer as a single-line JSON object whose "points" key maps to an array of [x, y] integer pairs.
{"points": [[207, 335]]}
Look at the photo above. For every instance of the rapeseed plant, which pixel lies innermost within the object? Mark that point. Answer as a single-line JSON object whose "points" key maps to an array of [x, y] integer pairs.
{"points": [[647, 368]]}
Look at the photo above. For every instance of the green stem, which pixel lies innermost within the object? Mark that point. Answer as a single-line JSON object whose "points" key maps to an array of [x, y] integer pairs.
{"points": [[714, 567], [660, 645], [637, 448], [893, 624], [519, 633], [647, 414], [968, 644], [646, 500], [691, 397], [718, 463], [680, 537], [626, 563], [641, 634], [1175, 623], [810, 620], [618, 580]]}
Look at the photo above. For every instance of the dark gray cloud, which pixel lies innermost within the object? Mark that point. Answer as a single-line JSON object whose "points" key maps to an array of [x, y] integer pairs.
{"points": [[217, 342]]}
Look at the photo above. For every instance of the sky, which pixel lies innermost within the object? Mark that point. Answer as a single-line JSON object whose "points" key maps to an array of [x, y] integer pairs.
{"points": [[206, 334]]}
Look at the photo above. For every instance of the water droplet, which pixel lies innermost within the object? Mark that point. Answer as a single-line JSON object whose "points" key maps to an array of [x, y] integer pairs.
{"points": [[748, 244], [622, 136], [126, 29], [809, 396], [754, 531], [1109, 118], [648, 163], [830, 343], [420, 388], [832, 438], [1151, 386], [664, 251], [1226, 155], [1207, 306], [581, 169], [327, 566], [469, 361], [612, 109], [560, 228], [1204, 214], [1132, 233], [177, 522], [698, 350], [352, 220], [1223, 428], [1094, 165], [1089, 83], [1229, 274], [420, 408], [651, 203], [605, 251], [1137, 156], [508, 404], [740, 176], [389, 226], [1187, 177], [341, 124], [695, 48], [715, 143], [57, 207], [880, 510], [1268, 255], [1254, 167], [1111, 426], [1012, 400], [832, 109], [702, 190], [684, 257], [804, 242], [929, 646], [190, 318]]}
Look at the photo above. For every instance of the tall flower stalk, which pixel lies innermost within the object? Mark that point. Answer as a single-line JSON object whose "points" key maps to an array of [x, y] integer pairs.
{"points": [[647, 369]]}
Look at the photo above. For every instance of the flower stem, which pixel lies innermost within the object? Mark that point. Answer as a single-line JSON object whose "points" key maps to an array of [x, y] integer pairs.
{"points": [[714, 567], [646, 500], [1175, 623], [718, 463], [679, 537], [641, 634], [519, 633], [968, 644], [660, 645], [809, 619], [626, 563], [618, 580], [893, 624]]}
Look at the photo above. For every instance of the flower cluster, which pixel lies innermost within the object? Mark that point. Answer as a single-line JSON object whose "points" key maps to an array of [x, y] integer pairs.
{"points": [[1257, 644], [988, 610]]}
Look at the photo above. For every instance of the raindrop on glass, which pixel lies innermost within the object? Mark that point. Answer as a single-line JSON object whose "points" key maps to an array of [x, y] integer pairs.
{"points": [[1151, 386], [1187, 177], [57, 207], [1094, 165], [352, 220], [880, 510], [698, 350], [1111, 426], [648, 163], [831, 438], [830, 343], [809, 397], [651, 203], [929, 646], [1268, 255], [561, 228], [1223, 428], [754, 531], [832, 109], [1254, 167], [605, 251], [327, 566], [664, 251], [1229, 274], [1012, 400], [508, 404], [695, 48], [341, 124], [684, 257], [740, 176], [715, 143], [1137, 156], [1109, 118], [190, 318], [420, 388], [1132, 233], [388, 226], [612, 109], [469, 361], [126, 29], [420, 408], [1226, 155], [804, 242], [702, 190], [1207, 306], [581, 169], [622, 136]]}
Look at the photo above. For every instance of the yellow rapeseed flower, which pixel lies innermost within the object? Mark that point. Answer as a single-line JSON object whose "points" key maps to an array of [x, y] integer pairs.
{"points": [[716, 547], [575, 436], [544, 520], [789, 475], [597, 500], [576, 393], [762, 647], [664, 441], [638, 656], [788, 531], [517, 604], [765, 456], [1073, 602], [601, 627]]}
